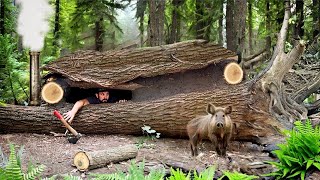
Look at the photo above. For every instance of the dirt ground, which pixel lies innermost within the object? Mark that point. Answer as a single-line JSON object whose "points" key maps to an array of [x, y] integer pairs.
{"points": [[56, 153]]}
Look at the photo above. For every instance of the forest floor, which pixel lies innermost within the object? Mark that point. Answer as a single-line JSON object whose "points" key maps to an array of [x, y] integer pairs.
{"points": [[56, 153]]}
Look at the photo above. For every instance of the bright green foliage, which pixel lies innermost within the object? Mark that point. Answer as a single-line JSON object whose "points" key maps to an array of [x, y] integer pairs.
{"points": [[12, 171], [135, 172], [237, 176], [178, 175], [13, 74], [300, 152], [206, 174]]}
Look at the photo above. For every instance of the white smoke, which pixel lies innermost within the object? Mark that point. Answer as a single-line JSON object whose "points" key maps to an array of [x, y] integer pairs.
{"points": [[33, 22]]}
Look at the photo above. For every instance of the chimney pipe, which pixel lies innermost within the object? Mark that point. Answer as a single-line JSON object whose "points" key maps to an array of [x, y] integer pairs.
{"points": [[34, 78]]}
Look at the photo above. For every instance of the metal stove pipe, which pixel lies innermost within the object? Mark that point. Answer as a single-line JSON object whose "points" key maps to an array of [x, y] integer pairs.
{"points": [[34, 78]]}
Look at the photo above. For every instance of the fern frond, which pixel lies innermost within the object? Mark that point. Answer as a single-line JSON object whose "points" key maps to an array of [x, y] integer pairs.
{"points": [[114, 176], [34, 173], [13, 170]]}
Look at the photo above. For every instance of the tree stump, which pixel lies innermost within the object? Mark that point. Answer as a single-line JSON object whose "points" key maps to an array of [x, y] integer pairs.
{"points": [[95, 159]]}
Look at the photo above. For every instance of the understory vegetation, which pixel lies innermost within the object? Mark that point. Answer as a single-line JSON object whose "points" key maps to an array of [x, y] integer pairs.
{"points": [[298, 155]]}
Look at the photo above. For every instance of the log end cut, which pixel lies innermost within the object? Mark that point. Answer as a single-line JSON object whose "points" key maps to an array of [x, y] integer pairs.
{"points": [[52, 93], [81, 161], [233, 73]]}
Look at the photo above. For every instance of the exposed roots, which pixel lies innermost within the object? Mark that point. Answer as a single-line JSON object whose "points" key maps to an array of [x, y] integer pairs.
{"points": [[281, 105]]}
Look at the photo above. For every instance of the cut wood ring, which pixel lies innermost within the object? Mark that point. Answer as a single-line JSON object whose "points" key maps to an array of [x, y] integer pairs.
{"points": [[233, 73], [52, 93]]}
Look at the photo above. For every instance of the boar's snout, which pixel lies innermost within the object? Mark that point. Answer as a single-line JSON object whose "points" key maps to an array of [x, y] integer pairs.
{"points": [[219, 124]]}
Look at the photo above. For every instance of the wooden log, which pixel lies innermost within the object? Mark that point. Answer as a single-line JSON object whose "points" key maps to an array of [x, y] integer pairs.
{"points": [[85, 160], [55, 90], [52, 93], [168, 116], [233, 73]]}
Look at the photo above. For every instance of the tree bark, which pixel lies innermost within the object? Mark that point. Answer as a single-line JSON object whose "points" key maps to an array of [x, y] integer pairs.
{"points": [[220, 28], [56, 31], [156, 23], [175, 22], [298, 30], [200, 23], [91, 69], [240, 23], [168, 116], [315, 18], [230, 28], [250, 27], [268, 27], [99, 35], [2, 8]]}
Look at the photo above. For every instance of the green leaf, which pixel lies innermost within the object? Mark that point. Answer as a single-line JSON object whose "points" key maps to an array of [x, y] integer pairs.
{"points": [[285, 172], [294, 174], [302, 175], [309, 163], [317, 165]]}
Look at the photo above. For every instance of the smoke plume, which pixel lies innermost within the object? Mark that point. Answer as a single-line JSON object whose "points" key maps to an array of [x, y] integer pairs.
{"points": [[33, 22]]}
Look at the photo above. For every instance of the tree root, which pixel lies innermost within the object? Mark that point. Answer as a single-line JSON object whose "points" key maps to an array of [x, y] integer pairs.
{"points": [[281, 105]]}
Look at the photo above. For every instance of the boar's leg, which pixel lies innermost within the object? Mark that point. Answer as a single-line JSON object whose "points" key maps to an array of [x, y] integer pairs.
{"points": [[194, 141]]}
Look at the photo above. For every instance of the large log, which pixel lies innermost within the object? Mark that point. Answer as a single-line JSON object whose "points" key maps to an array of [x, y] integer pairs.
{"points": [[115, 69], [168, 116]]}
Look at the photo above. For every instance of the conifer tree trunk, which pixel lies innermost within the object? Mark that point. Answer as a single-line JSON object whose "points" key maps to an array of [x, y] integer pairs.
{"points": [[250, 27], [230, 28], [240, 23], [56, 31], [200, 23], [175, 22], [268, 27], [2, 13], [220, 28], [99, 34], [156, 23], [315, 18], [298, 30]]}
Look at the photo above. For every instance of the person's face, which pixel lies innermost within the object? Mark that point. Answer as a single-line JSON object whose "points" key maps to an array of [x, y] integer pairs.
{"points": [[103, 96]]}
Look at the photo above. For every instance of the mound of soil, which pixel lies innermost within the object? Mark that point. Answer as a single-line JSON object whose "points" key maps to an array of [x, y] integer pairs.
{"points": [[56, 153]]}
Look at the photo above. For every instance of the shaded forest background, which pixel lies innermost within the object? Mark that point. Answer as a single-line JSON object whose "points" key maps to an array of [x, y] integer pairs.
{"points": [[248, 27]]}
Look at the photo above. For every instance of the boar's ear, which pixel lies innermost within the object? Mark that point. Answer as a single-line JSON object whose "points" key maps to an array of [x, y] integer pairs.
{"points": [[228, 110], [211, 109]]}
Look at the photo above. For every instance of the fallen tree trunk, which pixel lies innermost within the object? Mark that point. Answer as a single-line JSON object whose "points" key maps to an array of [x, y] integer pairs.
{"points": [[168, 116], [85, 160]]}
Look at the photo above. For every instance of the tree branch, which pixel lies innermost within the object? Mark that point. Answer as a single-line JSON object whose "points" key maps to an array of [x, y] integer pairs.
{"points": [[306, 91]]}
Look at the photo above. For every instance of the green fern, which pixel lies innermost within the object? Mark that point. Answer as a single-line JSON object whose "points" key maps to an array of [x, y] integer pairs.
{"points": [[178, 175], [70, 177], [13, 171], [114, 176], [237, 176], [135, 172], [206, 174], [300, 152], [31, 175]]}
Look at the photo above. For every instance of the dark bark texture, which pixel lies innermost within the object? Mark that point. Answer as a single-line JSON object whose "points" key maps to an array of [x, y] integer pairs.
{"points": [[168, 116], [113, 68]]}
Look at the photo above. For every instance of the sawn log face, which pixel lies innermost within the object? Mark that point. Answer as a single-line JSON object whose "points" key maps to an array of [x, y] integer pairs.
{"points": [[169, 115]]}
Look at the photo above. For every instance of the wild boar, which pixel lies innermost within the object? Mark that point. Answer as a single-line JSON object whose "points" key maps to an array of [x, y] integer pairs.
{"points": [[216, 126]]}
